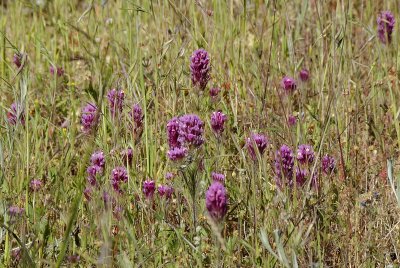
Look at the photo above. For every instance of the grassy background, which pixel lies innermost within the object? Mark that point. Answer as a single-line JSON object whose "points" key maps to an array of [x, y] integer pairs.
{"points": [[349, 109]]}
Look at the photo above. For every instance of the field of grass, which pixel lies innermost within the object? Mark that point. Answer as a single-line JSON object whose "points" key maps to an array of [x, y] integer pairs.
{"points": [[59, 57]]}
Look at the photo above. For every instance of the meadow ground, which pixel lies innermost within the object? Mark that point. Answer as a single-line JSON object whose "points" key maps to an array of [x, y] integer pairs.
{"points": [[277, 145]]}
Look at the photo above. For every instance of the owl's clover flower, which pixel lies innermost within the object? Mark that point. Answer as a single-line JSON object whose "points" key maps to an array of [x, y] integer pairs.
{"points": [[191, 130], [328, 164], [97, 159], [89, 118], [119, 175], [304, 75], [261, 143], [137, 116], [149, 188], [217, 122], [165, 191], [305, 154], [200, 68], [115, 100], [288, 84], [173, 132], [386, 23], [214, 91], [216, 201], [284, 165]]}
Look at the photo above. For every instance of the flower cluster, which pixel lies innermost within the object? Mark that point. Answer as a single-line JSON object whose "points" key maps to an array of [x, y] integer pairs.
{"points": [[115, 100], [119, 175], [97, 163], [173, 132], [183, 133], [36, 185], [165, 191], [17, 59], [149, 187], [386, 23], [258, 140], [284, 165], [301, 176], [305, 154], [285, 162], [89, 118], [304, 75], [288, 84], [292, 120], [169, 176], [14, 211], [191, 130], [214, 91], [97, 159], [200, 68], [217, 122], [137, 116], [216, 201], [328, 164]]}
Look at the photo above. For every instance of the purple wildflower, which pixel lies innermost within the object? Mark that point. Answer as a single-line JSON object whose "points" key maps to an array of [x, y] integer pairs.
{"points": [[149, 188], [127, 156], [14, 211], [200, 68], [328, 164], [177, 153], [165, 191], [17, 59], [35, 185], [115, 100], [118, 175], [97, 159], [173, 132], [305, 154], [89, 117], [92, 172], [216, 201], [284, 164], [261, 143], [288, 84], [386, 23], [58, 70], [214, 91], [191, 130], [304, 75], [217, 122], [292, 120], [15, 114], [218, 177], [137, 116], [169, 176], [301, 176]]}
